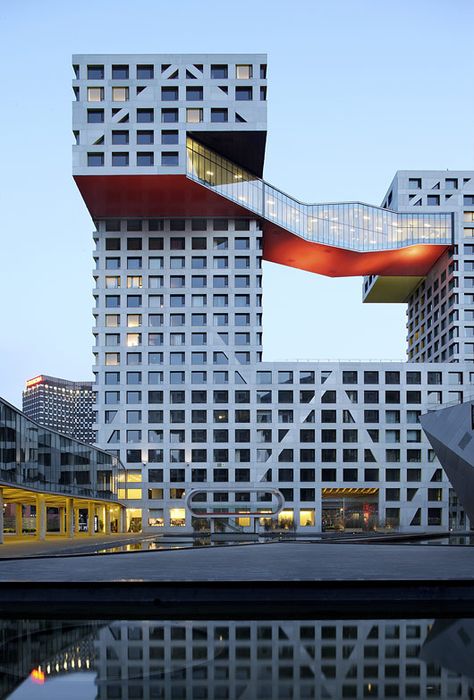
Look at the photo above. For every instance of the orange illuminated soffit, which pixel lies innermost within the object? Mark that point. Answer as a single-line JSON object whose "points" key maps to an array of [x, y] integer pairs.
{"points": [[34, 381]]}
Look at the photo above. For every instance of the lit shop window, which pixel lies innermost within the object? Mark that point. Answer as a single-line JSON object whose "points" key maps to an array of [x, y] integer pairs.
{"points": [[177, 517]]}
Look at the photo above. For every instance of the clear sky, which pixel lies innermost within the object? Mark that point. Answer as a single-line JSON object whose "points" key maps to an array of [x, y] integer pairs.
{"points": [[357, 90]]}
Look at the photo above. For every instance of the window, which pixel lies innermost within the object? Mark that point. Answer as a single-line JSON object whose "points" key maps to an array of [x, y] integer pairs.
{"points": [[120, 138], [243, 72], [219, 72], [145, 137], [169, 158], [95, 72], [120, 159], [194, 93], [243, 93], [145, 116], [95, 94], [95, 116], [119, 94], [219, 115], [145, 72], [120, 72], [194, 115], [145, 159], [95, 160], [414, 183], [168, 137], [169, 93], [169, 115], [432, 200]]}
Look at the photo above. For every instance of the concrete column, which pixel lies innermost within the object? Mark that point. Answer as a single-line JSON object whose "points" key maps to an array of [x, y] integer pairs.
{"points": [[1, 516], [70, 517], [40, 517], [122, 520], [106, 520], [90, 518], [19, 519]]}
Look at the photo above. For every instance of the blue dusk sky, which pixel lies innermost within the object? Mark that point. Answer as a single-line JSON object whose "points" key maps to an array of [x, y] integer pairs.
{"points": [[357, 90]]}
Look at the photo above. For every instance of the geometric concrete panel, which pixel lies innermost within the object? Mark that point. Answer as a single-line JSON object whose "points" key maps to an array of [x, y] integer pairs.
{"points": [[450, 643], [450, 431]]}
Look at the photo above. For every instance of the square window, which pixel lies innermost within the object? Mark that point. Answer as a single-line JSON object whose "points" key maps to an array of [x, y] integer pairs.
{"points": [[243, 72], [95, 72], [169, 137], [169, 93], [120, 138], [95, 159], [145, 116], [145, 137], [243, 93], [145, 72], [169, 115], [219, 115], [119, 94], [95, 116], [169, 158], [95, 94], [194, 93], [120, 72], [219, 72], [120, 159], [145, 159], [414, 183], [194, 115], [432, 200]]}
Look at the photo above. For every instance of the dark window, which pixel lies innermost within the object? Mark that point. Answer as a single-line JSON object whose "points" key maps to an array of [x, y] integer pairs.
{"points": [[371, 377], [145, 72], [169, 137], [95, 72], [243, 93], [219, 115], [169, 94], [95, 116], [120, 72], [433, 200], [169, 115], [170, 158], [194, 93], [95, 159], [219, 72], [145, 116], [145, 137], [146, 159], [120, 138], [120, 159]]}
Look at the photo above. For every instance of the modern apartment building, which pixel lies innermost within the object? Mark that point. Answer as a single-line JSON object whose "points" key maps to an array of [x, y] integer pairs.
{"points": [[61, 405], [168, 158]]}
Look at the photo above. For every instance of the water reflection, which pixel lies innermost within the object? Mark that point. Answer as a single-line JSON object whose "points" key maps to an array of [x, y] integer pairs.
{"points": [[238, 659]]}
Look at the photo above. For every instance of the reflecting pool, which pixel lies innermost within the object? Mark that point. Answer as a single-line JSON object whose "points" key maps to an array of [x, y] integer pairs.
{"points": [[236, 659]]}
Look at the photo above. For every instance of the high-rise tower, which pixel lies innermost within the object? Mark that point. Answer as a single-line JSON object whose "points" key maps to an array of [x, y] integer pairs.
{"points": [[169, 157]]}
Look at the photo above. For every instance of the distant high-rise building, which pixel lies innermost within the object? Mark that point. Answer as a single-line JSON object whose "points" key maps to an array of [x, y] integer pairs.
{"points": [[60, 404]]}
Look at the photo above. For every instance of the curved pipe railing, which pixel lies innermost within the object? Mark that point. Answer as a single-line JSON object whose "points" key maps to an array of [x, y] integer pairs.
{"points": [[235, 508], [350, 225]]}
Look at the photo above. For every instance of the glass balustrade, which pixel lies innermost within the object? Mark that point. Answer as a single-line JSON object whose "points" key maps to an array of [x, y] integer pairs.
{"points": [[351, 225]]}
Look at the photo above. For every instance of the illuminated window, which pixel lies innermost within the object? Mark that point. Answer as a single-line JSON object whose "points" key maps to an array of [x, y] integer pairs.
{"points": [[194, 115], [134, 339], [95, 94], [112, 282], [119, 94], [177, 517], [112, 358], [307, 518], [134, 281], [243, 72], [134, 320], [112, 320]]}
